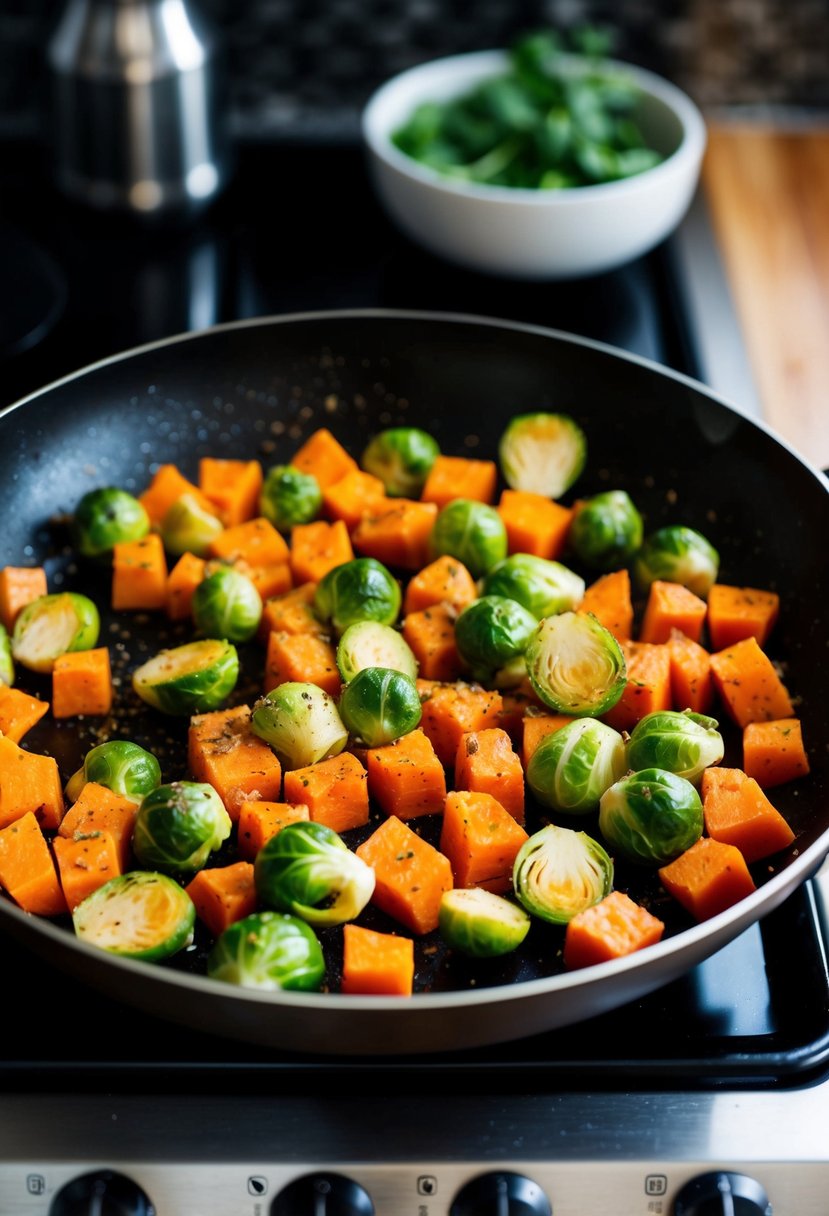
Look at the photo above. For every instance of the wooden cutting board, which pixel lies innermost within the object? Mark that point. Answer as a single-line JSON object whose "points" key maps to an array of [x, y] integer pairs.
{"points": [[768, 194]]}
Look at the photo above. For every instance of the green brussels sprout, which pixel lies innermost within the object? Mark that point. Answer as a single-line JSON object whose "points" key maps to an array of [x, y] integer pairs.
{"points": [[268, 951], [227, 605], [123, 767], [105, 517], [678, 555], [359, 590], [471, 531], [491, 632], [542, 453], [575, 665], [308, 870], [190, 679], [138, 915], [478, 923], [53, 625], [289, 497], [544, 587], [683, 743], [6, 661], [370, 644], [606, 530], [188, 528], [559, 872], [402, 457], [379, 705], [179, 825], [651, 816], [572, 767], [301, 723]]}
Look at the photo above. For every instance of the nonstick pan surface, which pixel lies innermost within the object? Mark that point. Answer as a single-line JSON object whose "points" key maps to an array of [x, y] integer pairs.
{"points": [[256, 389]]}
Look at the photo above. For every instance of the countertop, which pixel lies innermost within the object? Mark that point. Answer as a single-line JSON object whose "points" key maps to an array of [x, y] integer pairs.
{"points": [[768, 195]]}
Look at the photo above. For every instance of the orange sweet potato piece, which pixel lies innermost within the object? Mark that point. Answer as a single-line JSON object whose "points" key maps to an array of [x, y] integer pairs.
{"points": [[232, 486], [29, 782], [397, 533], [410, 875], [691, 684], [376, 964], [352, 496], [82, 683], [255, 542], [273, 578], [486, 763], [19, 712], [737, 812], [292, 612], [334, 790], [19, 585], [431, 636], [748, 684], [735, 613], [97, 809], [85, 863], [443, 581], [304, 657], [481, 839], [612, 928], [536, 727], [223, 894], [707, 878], [139, 574], [609, 599], [167, 486], [182, 582], [773, 752], [27, 870], [460, 477], [406, 778], [223, 751], [671, 606], [534, 524], [260, 821], [317, 548], [324, 457], [648, 685], [450, 710]]}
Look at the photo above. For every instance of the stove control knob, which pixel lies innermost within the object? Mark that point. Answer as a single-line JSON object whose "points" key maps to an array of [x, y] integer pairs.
{"points": [[322, 1194], [103, 1193], [500, 1194], [722, 1194]]}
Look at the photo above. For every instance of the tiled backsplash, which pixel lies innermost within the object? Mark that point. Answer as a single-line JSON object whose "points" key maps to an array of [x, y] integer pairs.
{"points": [[304, 67]]}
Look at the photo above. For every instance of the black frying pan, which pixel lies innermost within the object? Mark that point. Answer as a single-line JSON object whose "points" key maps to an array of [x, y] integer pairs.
{"points": [[256, 389]]}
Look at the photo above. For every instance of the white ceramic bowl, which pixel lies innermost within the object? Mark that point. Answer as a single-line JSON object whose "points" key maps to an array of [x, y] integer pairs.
{"points": [[533, 234]]}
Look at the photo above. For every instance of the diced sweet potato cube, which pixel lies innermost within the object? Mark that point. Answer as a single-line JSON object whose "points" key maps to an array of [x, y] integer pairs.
{"points": [[334, 790], [411, 875], [224, 752]]}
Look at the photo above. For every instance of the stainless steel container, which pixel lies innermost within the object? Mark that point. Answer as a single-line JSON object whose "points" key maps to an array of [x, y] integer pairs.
{"points": [[139, 120]]}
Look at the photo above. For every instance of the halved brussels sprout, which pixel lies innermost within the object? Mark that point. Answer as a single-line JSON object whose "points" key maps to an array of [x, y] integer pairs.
{"points": [[190, 679], [53, 625], [137, 915], [544, 587], [370, 644], [227, 605], [402, 457], [380, 705], [683, 743], [651, 816], [179, 825], [6, 661], [359, 590], [491, 632], [678, 555], [478, 923], [188, 528], [123, 767], [268, 951], [572, 767], [308, 870], [575, 665], [301, 723], [471, 531], [559, 872], [606, 530], [542, 453], [289, 497], [105, 517]]}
